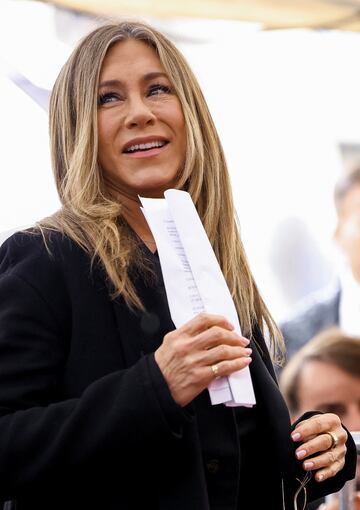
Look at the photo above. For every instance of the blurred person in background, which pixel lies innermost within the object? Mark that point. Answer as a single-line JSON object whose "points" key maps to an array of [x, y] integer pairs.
{"points": [[299, 267], [325, 375], [338, 304]]}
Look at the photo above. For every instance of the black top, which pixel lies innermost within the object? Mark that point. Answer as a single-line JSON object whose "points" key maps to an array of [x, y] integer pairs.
{"points": [[229, 437], [87, 420]]}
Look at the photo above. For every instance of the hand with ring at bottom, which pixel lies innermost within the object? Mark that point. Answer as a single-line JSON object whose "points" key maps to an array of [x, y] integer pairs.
{"points": [[322, 447], [201, 350]]}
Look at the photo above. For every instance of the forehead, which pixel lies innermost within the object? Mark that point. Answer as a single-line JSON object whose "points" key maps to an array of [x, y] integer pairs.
{"points": [[322, 382], [124, 58]]}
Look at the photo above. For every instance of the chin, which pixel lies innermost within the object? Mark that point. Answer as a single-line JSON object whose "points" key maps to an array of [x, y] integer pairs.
{"points": [[156, 190]]}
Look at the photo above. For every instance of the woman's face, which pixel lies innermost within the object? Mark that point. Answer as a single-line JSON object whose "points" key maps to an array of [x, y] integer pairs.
{"points": [[141, 126]]}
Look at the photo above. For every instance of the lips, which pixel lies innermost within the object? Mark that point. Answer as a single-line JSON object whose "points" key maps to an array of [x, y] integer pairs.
{"points": [[144, 144]]}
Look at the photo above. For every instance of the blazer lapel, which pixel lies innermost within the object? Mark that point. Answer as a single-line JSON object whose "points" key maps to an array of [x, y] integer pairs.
{"points": [[274, 411]]}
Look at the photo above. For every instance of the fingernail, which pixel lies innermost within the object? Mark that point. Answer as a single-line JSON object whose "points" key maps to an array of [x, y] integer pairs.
{"points": [[308, 465], [245, 341], [247, 361], [296, 436], [248, 351], [319, 478], [301, 454]]}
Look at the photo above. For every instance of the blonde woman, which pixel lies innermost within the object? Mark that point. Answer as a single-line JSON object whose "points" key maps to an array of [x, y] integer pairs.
{"points": [[103, 403]]}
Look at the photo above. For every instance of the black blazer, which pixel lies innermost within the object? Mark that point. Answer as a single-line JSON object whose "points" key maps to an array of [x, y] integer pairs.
{"points": [[86, 418]]}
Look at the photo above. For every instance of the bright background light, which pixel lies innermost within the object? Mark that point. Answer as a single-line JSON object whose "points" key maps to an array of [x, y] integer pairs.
{"points": [[282, 101]]}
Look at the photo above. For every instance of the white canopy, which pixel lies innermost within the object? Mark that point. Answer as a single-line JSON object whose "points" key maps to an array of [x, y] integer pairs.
{"points": [[272, 14]]}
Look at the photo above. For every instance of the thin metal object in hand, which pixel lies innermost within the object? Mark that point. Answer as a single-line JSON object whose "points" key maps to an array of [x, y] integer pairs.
{"points": [[305, 480]]}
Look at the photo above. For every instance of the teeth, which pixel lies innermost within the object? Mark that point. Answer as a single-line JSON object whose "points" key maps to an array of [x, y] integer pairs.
{"points": [[145, 146]]}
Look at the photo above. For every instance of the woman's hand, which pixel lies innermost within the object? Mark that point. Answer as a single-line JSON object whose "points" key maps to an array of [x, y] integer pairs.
{"points": [[326, 458], [204, 348]]}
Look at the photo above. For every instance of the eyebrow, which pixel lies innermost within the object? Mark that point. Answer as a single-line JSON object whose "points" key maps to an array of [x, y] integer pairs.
{"points": [[147, 77], [330, 404]]}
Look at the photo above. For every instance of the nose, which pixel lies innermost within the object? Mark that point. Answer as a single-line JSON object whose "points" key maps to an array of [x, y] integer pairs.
{"points": [[138, 114]]}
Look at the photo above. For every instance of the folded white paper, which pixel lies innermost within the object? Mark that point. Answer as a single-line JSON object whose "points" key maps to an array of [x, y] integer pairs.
{"points": [[193, 279]]}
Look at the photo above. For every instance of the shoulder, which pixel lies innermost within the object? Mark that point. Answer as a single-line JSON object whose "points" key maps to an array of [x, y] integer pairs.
{"points": [[31, 247], [32, 279], [316, 312], [48, 262], [323, 301], [20, 249]]}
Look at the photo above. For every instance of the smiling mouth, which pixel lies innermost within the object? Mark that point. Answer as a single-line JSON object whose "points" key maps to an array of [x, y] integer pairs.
{"points": [[143, 147]]}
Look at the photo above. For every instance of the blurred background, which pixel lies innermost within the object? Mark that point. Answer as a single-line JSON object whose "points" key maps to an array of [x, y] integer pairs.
{"points": [[282, 82]]}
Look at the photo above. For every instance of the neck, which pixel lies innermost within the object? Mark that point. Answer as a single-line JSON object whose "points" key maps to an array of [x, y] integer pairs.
{"points": [[135, 218], [137, 222]]}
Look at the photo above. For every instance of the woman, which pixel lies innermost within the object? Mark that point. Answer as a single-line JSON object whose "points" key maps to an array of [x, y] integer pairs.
{"points": [[103, 403]]}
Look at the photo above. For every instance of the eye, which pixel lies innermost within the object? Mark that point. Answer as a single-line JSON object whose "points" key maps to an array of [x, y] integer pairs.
{"points": [[336, 407], [157, 89], [108, 97]]}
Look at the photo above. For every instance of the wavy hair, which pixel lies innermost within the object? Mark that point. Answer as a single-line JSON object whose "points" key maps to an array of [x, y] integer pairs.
{"points": [[93, 219]]}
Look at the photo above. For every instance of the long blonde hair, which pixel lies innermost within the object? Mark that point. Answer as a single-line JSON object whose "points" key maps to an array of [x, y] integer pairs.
{"points": [[93, 219]]}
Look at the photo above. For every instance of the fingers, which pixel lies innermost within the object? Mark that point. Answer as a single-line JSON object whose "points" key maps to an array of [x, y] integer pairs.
{"points": [[327, 464], [319, 424], [215, 336], [215, 346], [319, 443], [204, 348], [328, 456], [206, 331], [315, 437], [225, 368], [222, 353], [202, 322]]}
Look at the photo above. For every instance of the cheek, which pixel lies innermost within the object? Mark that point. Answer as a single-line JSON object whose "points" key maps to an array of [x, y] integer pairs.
{"points": [[351, 230], [103, 134], [105, 142], [176, 119], [352, 248], [349, 238], [107, 127], [101, 140]]}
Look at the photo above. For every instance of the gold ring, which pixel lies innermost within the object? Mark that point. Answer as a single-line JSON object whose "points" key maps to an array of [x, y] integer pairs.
{"points": [[334, 439], [215, 370]]}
